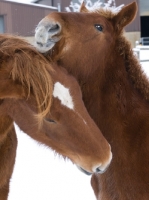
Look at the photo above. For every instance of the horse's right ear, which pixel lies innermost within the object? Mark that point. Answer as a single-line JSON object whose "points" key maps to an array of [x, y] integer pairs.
{"points": [[125, 16], [83, 8]]}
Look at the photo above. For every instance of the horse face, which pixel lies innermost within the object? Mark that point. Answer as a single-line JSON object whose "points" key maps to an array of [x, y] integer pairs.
{"points": [[73, 38], [82, 39], [67, 128], [76, 135]]}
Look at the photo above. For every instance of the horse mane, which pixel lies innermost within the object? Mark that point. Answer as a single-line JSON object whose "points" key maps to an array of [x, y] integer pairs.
{"points": [[133, 67], [28, 68], [105, 12]]}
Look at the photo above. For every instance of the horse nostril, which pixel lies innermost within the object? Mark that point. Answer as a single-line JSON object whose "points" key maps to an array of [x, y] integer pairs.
{"points": [[98, 170], [54, 28], [101, 169], [40, 44]]}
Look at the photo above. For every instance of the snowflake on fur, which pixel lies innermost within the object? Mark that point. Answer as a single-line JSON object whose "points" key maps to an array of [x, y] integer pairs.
{"points": [[110, 5]]}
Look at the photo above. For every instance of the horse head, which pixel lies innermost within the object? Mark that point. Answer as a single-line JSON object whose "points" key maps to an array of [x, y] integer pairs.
{"points": [[86, 38], [78, 136], [66, 126]]}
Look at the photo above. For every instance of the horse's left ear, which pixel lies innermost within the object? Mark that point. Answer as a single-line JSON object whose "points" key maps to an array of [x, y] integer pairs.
{"points": [[83, 8], [125, 16]]}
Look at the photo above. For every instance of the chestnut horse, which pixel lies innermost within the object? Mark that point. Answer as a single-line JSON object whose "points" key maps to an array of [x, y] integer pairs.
{"points": [[65, 126], [91, 46]]}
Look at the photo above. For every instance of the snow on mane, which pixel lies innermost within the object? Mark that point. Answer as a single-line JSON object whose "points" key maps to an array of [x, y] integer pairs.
{"points": [[110, 5]]}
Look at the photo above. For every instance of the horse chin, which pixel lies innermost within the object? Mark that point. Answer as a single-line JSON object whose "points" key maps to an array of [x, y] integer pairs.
{"points": [[84, 171], [43, 48]]}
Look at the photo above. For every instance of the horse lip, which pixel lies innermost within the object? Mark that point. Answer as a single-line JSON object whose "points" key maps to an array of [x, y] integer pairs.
{"points": [[90, 173], [47, 44], [44, 47], [84, 171], [50, 43], [101, 172], [54, 39], [39, 44]]}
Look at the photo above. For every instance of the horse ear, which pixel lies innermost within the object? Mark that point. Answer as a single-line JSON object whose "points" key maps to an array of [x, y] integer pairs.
{"points": [[125, 16], [83, 8]]}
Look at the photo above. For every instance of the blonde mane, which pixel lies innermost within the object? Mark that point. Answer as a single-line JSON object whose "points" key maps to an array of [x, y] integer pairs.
{"points": [[29, 68]]}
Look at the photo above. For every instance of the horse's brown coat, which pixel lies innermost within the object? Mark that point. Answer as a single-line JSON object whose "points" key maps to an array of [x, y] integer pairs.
{"points": [[19, 84], [26, 97], [115, 92]]}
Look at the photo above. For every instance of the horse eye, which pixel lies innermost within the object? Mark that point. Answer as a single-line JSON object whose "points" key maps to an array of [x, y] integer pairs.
{"points": [[51, 120], [99, 27]]}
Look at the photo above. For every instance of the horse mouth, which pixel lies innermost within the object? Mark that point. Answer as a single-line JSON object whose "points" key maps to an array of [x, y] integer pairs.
{"points": [[84, 171], [44, 42], [98, 170], [43, 48]]}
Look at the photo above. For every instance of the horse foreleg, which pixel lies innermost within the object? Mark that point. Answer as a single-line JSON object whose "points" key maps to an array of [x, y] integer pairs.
{"points": [[7, 160], [4, 192]]}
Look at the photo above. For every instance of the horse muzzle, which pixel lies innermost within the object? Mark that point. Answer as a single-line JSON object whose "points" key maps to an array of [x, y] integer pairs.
{"points": [[46, 35]]}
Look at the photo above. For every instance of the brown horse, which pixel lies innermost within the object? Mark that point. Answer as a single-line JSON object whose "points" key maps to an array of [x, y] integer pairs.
{"points": [[115, 91], [20, 76], [66, 126]]}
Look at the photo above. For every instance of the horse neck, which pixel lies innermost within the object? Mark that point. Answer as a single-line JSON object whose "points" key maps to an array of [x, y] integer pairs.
{"points": [[121, 112], [110, 96], [6, 124]]}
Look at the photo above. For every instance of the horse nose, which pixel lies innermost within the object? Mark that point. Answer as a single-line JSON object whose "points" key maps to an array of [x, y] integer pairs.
{"points": [[49, 29], [98, 168], [46, 35], [101, 168]]}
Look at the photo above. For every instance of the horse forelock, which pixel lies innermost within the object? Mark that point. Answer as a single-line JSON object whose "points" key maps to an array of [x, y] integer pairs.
{"points": [[30, 69], [107, 13]]}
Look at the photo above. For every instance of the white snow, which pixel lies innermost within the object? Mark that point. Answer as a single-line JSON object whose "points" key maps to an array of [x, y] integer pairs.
{"points": [[110, 5], [41, 175]]}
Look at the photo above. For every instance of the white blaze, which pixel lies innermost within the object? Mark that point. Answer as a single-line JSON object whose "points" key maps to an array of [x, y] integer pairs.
{"points": [[63, 94]]}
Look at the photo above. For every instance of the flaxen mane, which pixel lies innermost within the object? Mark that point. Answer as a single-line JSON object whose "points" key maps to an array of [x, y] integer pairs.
{"points": [[28, 67]]}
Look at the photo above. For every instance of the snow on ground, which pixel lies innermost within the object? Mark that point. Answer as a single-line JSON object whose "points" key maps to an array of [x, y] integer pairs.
{"points": [[40, 175]]}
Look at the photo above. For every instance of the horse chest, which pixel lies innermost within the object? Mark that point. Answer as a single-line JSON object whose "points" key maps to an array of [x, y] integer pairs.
{"points": [[116, 185]]}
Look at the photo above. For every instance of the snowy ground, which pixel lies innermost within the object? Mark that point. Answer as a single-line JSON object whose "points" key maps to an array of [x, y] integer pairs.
{"points": [[40, 175]]}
